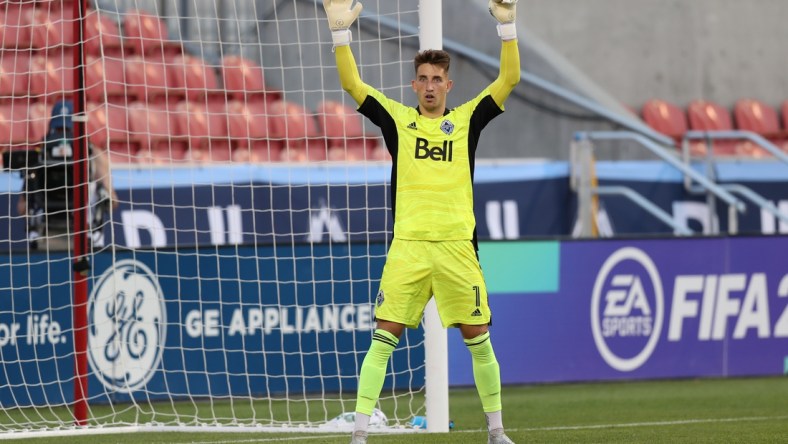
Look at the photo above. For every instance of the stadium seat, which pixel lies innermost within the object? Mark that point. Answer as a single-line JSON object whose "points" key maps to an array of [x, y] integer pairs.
{"points": [[784, 113], [105, 80], [380, 154], [193, 78], [244, 80], [248, 128], [670, 120], [760, 118], [296, 128], [147, 80], [147, 34], [38, 123], [16, 26], [205, 131], [51, 76], [343, 128], [14, 75], [706, 115], [102, 34], [108, 128], [153, 127], [14, 127], [666, 118], [52, 28]]}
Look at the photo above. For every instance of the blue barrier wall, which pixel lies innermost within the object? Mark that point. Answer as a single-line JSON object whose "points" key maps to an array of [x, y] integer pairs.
{"points": [[223, 205]]}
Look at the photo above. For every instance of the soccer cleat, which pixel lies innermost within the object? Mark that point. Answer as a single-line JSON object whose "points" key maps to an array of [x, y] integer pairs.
{"points": [[360, 437], [497, 436]]}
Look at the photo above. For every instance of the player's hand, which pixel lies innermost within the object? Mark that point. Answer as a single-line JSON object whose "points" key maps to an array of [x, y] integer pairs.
{"points": [[340, 14], [505, 11]]}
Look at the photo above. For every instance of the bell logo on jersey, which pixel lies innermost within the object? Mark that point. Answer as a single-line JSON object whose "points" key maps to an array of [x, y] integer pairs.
{"points": [[436, 153]]}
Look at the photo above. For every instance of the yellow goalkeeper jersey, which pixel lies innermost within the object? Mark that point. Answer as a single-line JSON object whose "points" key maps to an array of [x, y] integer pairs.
{"points": [[433, 164]]}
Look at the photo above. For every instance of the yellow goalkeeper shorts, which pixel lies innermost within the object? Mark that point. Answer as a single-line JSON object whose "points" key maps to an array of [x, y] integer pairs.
{"points": [[417, 270]]}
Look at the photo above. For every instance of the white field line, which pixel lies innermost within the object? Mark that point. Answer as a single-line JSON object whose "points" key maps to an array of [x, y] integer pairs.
{"points": [[542, 429]]}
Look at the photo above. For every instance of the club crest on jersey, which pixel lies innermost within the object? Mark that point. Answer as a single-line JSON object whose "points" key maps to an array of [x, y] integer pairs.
{"points": [[379, 299], [447, 127]]}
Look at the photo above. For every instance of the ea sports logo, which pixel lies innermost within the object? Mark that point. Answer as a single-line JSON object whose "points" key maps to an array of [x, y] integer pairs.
{"points": [[126, 326], [627, 309]]}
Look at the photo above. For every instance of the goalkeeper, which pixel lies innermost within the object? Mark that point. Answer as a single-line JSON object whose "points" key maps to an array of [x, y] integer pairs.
{"points": [[434, 250]]}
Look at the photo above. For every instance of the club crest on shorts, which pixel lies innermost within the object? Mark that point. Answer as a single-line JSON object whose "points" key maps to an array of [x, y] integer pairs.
{"points": [[447, 127], [379, 299]]}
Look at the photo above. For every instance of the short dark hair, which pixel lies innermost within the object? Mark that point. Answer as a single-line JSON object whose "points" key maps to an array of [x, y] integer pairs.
{"points": [[436, 57]]}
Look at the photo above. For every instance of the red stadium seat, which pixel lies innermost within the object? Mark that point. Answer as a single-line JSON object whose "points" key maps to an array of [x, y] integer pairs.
{"points": [[784, 112], [380, 154], [147, 34], [193, 78], [147, 80], [102, 35], [760, 118], [38, 123], [14, 75], [244, 80], [670, 120], [108, 127], [14, 124], [105, 79], [16, 28], [665, 117], [296, 128], [706, 115], [205, 130], [343, 128], [52, 28], [248, 128], [153, 127], [51, 77]]}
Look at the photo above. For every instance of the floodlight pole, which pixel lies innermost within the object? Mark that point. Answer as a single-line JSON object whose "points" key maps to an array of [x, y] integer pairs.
{"points": [[435, 338]]}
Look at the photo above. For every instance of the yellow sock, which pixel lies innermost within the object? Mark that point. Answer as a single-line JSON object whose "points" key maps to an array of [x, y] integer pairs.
{"points": [[486, 372], [373, 370]]}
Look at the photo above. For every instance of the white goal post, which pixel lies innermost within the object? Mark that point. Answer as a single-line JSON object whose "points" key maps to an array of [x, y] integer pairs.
{"points": [[202, 236]]}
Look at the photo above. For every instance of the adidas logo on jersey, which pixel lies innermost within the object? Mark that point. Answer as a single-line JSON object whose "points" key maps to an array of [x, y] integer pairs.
{"points": [[412, 125], [476, 312]]}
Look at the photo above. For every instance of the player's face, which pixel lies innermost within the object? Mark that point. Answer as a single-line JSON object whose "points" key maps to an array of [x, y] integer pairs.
{"points": [[431, 85]]}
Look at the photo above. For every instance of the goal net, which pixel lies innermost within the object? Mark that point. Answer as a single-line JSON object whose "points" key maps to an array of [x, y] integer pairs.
{"points": [[222, 209]]}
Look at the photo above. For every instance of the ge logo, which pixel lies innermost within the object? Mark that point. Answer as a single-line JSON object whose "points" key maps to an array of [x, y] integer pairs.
{"points": [[126, 326], [627, 309]]}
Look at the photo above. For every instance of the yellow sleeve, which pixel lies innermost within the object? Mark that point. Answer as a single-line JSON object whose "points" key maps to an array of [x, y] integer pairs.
{"points": [[509, 73], [348, 74]]}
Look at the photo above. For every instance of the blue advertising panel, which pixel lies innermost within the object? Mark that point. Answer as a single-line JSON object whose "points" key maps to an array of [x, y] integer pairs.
{"points": [[196, 322], [635, 309], [260, 321]]}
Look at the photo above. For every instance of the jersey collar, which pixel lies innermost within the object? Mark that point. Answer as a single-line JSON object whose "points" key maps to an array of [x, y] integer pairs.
{"points": [[445, 111]]}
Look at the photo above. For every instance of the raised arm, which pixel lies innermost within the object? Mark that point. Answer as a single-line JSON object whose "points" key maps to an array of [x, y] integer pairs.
{"points": [[505, 11], [340, 17]]}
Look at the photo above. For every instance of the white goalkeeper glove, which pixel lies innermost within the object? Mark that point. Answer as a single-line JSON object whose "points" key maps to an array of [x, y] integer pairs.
{"points": [[340, 17], [505, 11]]}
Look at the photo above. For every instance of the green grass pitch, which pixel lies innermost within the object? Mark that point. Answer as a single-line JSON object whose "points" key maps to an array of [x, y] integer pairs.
{"points": [[746, 410]]}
